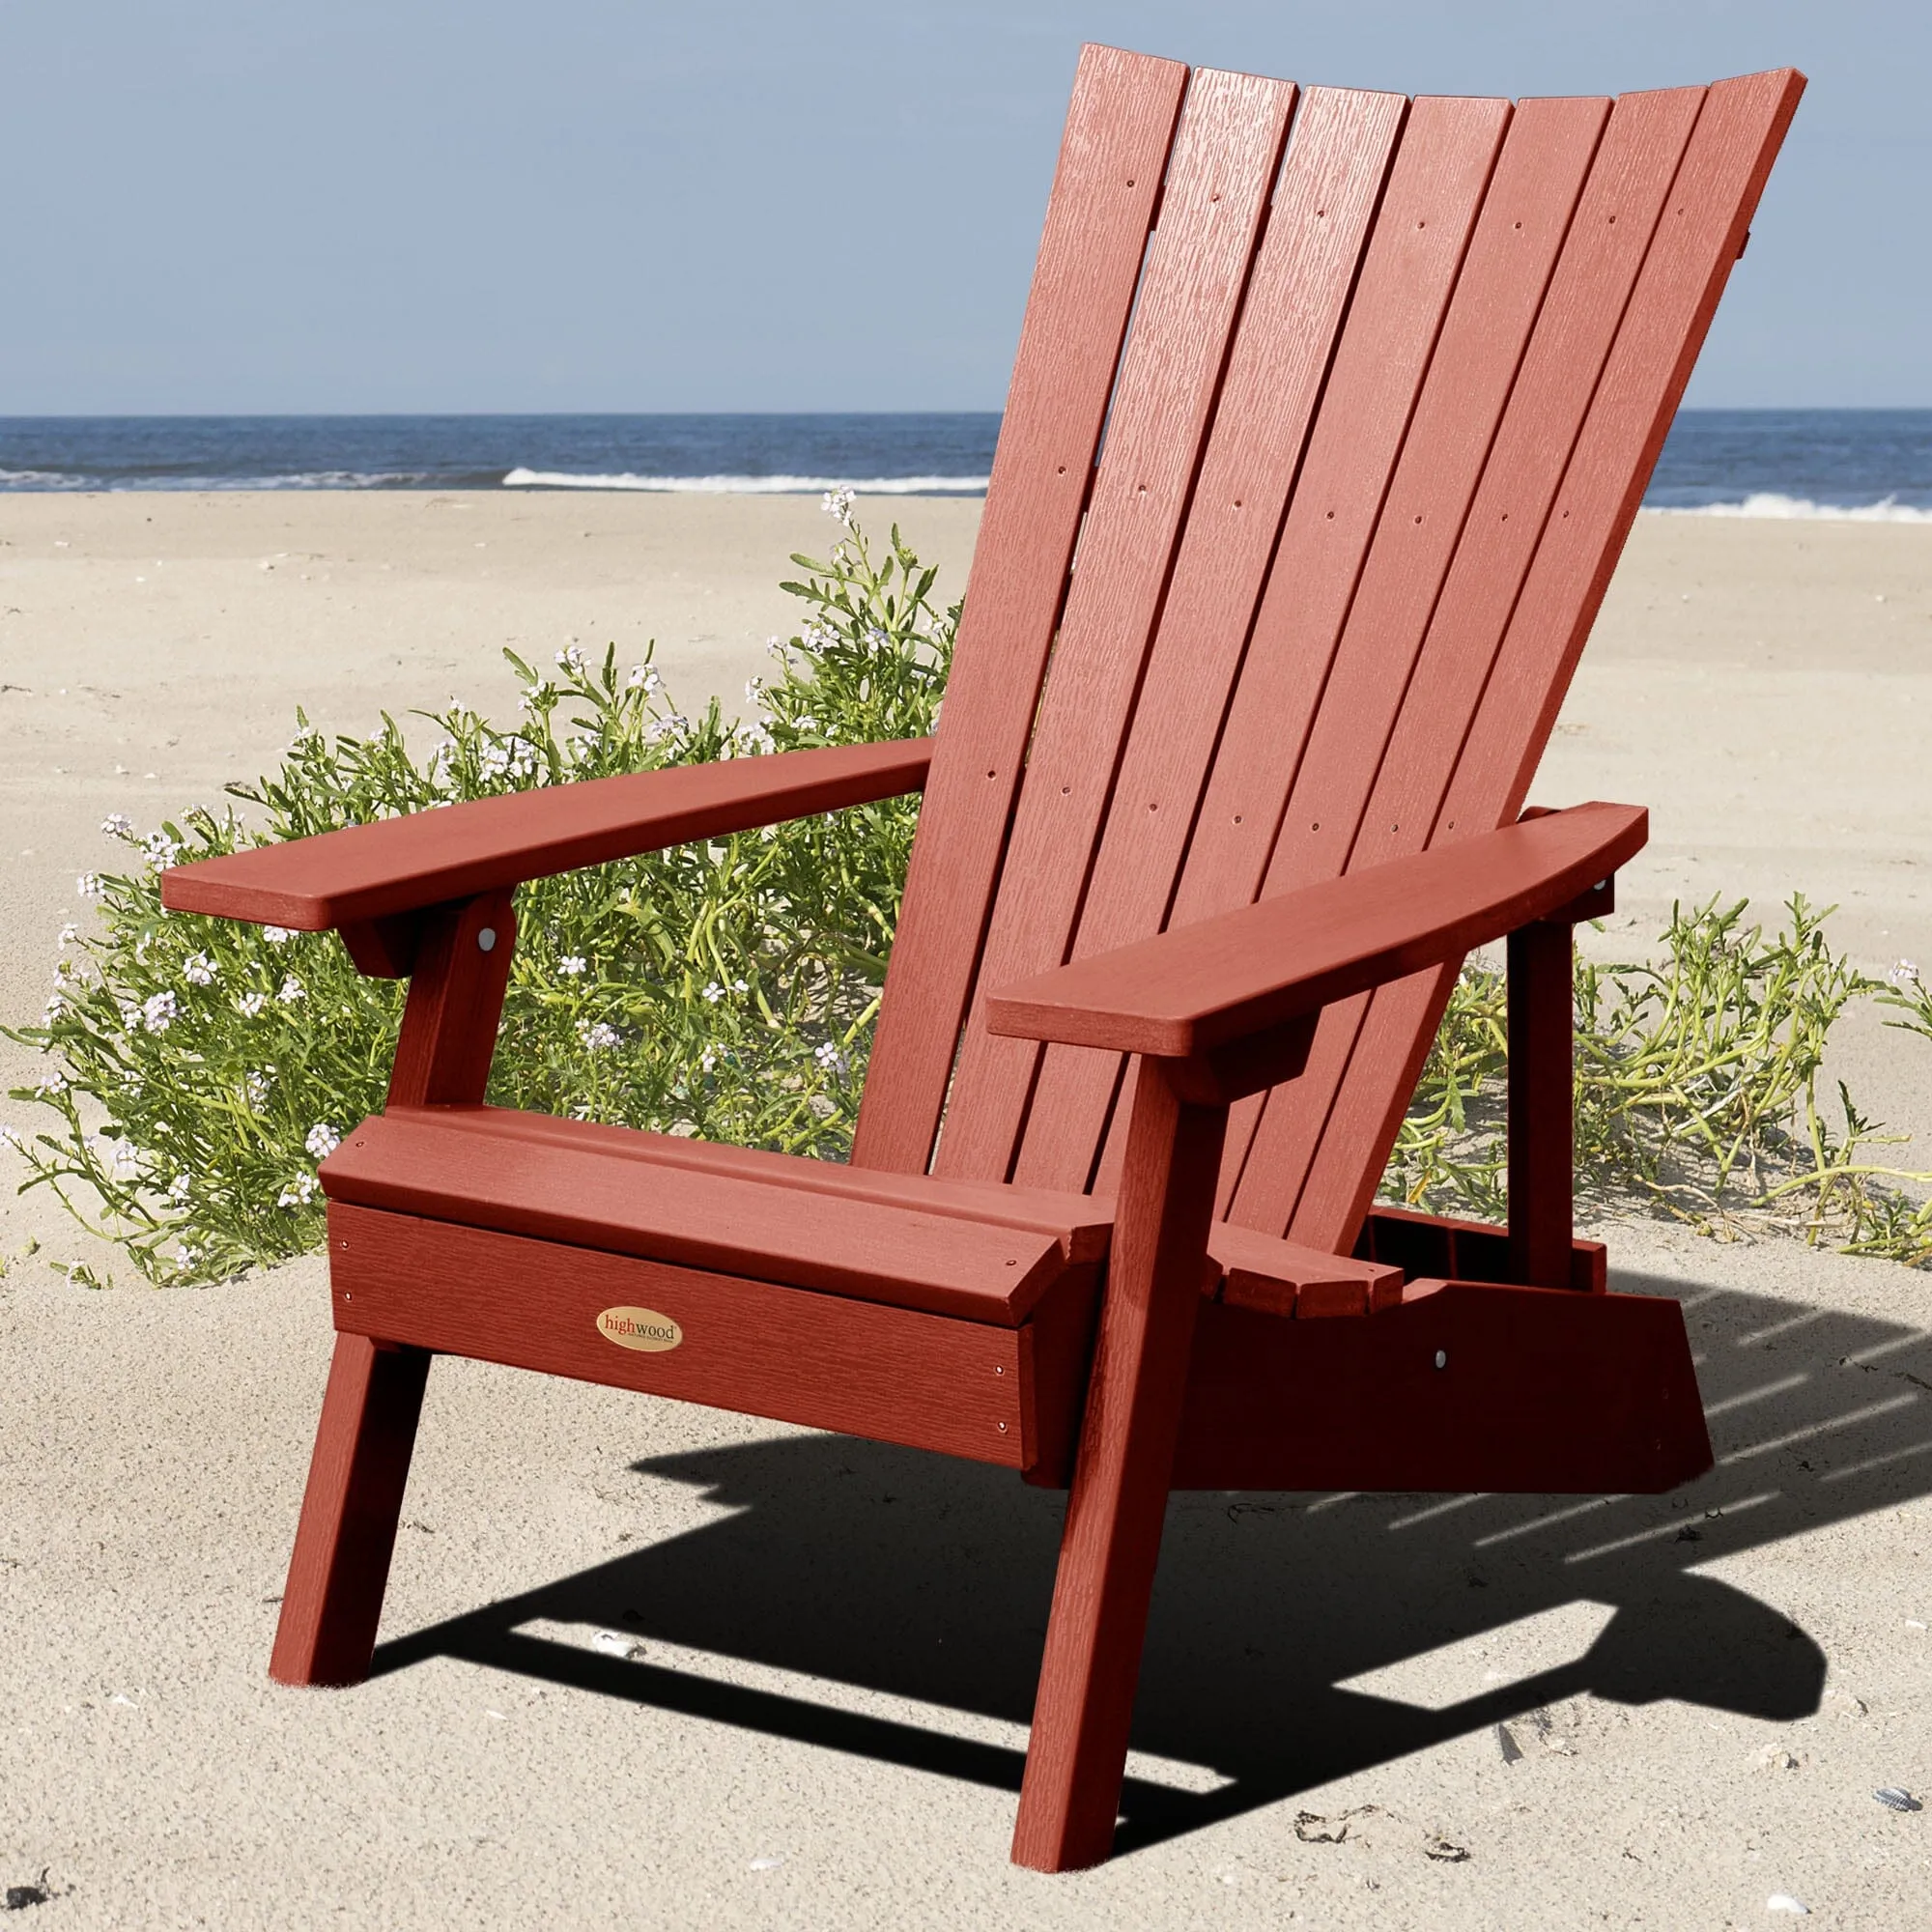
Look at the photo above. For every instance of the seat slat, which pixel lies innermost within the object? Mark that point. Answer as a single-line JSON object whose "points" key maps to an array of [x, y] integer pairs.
{"points": [[1337, 159], [1080, 1222], [1112, 162], [592, 1195], [1697, 236], [1226, 156]]}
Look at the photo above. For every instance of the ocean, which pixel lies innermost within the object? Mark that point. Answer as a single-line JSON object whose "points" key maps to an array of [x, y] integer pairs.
{"points": [[1858, 464]]}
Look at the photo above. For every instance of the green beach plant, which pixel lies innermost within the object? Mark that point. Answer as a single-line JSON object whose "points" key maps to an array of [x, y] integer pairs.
{"points": [[198, 1071]]}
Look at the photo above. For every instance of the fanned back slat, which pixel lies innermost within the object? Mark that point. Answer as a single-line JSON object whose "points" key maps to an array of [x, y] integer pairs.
{"points": [[1225, 160], [1525, 219], [1105, 191], [1303, 273], [1614, 221], [1382, 418], [1429, 210], [1697, 237]]}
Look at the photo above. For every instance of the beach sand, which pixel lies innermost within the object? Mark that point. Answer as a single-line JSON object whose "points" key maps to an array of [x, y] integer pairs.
{"points": [[1698, 1694]]}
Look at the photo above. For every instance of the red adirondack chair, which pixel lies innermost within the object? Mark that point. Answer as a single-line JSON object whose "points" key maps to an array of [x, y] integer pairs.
{"points": [[1212, 821]]}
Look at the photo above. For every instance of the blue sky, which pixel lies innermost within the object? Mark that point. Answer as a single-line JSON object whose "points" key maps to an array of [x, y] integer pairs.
{"points": [[426, 205]]}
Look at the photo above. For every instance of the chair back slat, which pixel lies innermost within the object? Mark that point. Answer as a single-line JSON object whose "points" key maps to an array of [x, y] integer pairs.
{"points": [[1226, 156], [1697, 237], [1635, 164], [1382, 417], [1112, 162], [1429, 211], [1304, 270]]}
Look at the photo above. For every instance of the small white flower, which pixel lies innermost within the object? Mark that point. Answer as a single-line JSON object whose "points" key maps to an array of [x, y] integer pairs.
{"points": [[538, 696], [277, 935], [644, 678], [597, 1036], [118, 825], [68, 933], [323, 1140], [161, 850], [178, 1189], [88, 885], [158, 1011], [676, 725], [806, 722], [755, 689], [250, 1004], [131, 1015], [838, 505], [709, 1060], [299, 1193], [571, 658], [12, 1139], [828, 1058], [714, 992], [52, 1082], [573, 965], [186, 1253], [1905, 973], [198, 970], [740, 986], [292, 990], [120, 1157], [255, 1088], [777, 647]]}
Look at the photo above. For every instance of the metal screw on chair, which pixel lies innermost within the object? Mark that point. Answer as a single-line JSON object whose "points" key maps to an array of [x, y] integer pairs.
{"points": [[486, 940]]}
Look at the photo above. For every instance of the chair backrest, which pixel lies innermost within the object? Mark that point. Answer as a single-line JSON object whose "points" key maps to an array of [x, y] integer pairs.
{"points": [[1330, 416]]}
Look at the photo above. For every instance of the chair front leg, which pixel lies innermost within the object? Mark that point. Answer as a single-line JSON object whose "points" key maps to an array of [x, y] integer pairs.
{"points": [[333, 1602], [1111, 1543]]}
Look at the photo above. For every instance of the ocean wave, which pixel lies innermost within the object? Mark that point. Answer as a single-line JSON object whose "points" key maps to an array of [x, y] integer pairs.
{"points": [[1771, 503], [751, 486]]}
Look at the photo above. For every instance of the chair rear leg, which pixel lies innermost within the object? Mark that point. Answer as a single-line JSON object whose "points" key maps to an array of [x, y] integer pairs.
{"points": [[1071, 1795], [347, 1535]]}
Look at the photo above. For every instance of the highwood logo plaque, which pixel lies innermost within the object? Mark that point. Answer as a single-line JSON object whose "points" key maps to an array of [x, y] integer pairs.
{"points": [[639, 1329]]}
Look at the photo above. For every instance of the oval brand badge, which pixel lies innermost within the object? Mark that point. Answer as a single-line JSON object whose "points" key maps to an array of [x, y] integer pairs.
{"points": [[639, 1329]]}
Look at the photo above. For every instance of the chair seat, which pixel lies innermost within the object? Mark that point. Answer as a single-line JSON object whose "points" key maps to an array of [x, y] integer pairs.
{"points": [[980, 1251]]}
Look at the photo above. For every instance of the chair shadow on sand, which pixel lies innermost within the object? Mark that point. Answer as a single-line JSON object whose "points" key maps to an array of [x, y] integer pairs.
{"points": [[921, 1577]]}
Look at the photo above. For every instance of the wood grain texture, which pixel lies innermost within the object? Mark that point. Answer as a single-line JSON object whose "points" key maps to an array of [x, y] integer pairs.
{"points": [[1193, 987], [1305, 269], [1540, 1390], [589, 1193], [1415, 250], [826, 1361], [1111, 1541], [1602, 251], [333, 1602], [1080, 1223], [1434, 189], [1225, 160], [1620, 421], [369, 873], [455, 1002], [1113, 160], [1499, 292]]}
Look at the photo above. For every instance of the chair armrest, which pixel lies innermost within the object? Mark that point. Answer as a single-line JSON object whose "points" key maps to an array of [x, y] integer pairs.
{"points": [[1200, 988], [369, 873]]}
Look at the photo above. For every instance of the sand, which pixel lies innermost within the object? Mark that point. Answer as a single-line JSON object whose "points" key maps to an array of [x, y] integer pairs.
{"points": [[1697, 1695]]}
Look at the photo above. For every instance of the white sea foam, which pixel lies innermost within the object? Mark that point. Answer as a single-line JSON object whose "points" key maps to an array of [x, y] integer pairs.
{"points": [[1770, 504], [751, 486]]}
